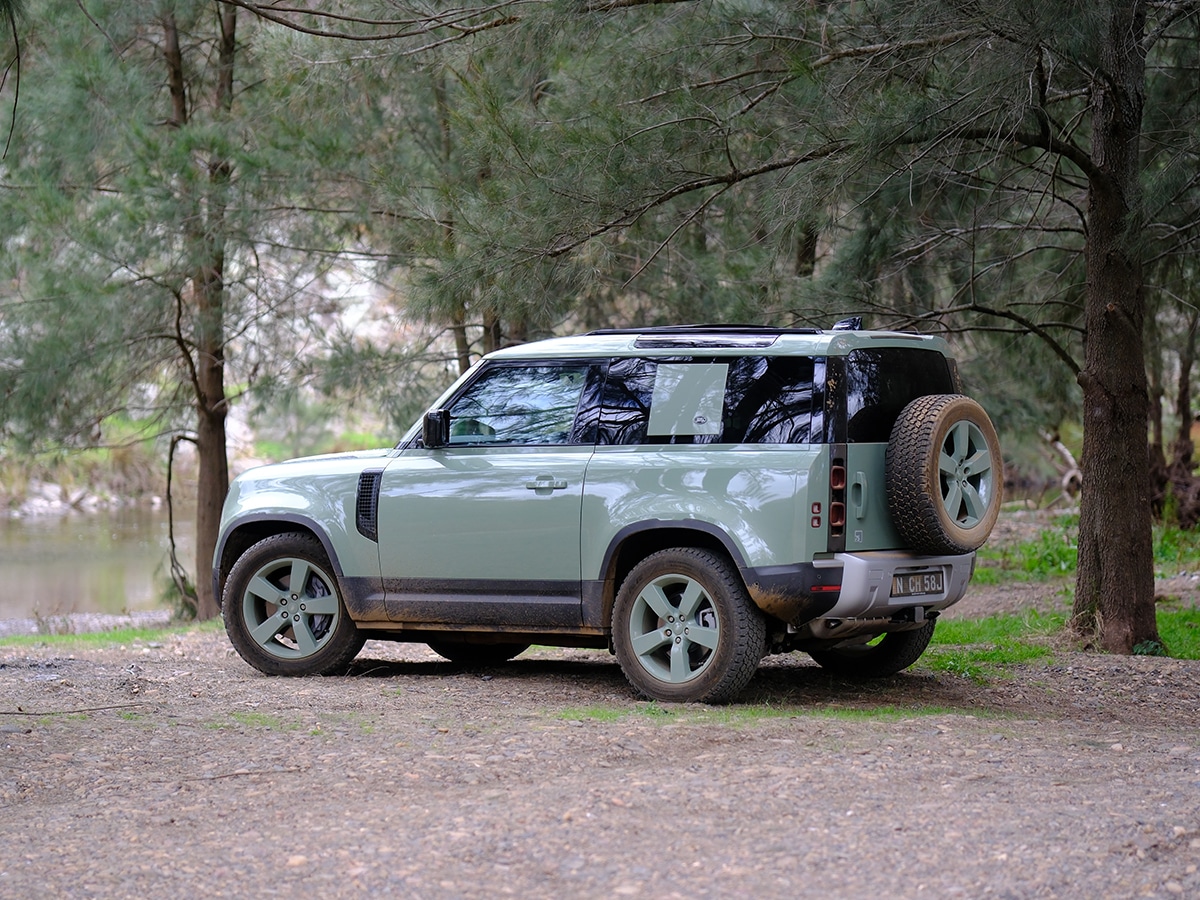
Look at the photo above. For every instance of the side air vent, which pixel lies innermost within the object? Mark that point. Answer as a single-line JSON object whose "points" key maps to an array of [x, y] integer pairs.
{"points": [[366, 506]]}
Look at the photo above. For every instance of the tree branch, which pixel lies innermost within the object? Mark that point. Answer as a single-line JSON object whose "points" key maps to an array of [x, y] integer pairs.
{"points": [[567, 244]]}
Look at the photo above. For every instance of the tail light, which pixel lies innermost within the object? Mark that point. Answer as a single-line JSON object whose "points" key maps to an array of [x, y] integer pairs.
{"points": [[837, 498]]}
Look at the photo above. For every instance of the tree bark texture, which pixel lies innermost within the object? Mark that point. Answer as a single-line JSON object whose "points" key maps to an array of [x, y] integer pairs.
{"points": [[1114, 594], [1182, 449]]}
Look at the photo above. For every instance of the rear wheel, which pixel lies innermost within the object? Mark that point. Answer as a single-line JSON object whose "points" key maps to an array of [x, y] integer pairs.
{"points": [[684, 628], [468, 653], [886, 655], [282, 610]]}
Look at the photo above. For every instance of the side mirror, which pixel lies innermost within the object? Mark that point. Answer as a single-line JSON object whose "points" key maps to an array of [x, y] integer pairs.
{"points": [[435, 429]]}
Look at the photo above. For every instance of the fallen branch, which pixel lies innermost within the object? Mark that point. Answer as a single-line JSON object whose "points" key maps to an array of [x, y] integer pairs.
{"points": [[67, 712]]}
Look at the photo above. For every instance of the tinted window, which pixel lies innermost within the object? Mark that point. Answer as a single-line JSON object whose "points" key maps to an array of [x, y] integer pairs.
{"points": [[757, 399], [521, 405], [880, 383]]}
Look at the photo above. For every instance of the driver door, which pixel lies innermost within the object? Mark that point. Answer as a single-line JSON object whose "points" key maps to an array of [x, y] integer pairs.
{"points": [[485, 530]]}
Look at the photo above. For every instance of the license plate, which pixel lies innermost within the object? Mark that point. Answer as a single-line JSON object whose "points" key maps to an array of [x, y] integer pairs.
{"points": [[918, 584]]}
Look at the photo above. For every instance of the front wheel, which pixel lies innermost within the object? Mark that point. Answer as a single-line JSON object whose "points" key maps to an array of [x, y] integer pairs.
{"points": [[885, 655], [684, 628], [282, 610]]}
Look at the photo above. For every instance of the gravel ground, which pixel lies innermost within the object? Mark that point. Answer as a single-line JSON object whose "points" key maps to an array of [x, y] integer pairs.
{"points": [[173, 769]]}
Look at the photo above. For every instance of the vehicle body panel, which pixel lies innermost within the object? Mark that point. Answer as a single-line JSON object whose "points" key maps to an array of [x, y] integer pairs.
{"points": [[461, 527]]}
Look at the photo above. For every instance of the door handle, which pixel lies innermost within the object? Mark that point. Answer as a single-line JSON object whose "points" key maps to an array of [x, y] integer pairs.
{"points": [[858, 494], [546, 483]]}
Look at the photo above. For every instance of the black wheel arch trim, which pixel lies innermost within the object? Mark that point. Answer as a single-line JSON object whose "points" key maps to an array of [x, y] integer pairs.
{"points": [[707, 528], [600, 594], [308, 524]]}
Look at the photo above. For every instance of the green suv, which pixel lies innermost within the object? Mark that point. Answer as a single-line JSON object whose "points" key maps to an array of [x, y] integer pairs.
{"points": [[691, 498]]}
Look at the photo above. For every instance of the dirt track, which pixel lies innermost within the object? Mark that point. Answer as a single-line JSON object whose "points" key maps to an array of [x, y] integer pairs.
{"points": [[176, 770]]}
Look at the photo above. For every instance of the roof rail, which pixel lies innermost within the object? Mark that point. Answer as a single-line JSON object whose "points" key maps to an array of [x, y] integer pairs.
{"points": [[705, 329]]}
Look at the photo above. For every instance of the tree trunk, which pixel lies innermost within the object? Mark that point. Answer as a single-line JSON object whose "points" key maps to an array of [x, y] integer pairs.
{"points": [[205, 356], [1181, 448], [462, 347], [1114, 593], [211, 486], [492, 334], [1155, 383]]}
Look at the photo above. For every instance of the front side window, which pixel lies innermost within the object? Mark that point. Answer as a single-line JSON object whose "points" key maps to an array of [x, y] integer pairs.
{"points": [[534, 404], [750, 399]]}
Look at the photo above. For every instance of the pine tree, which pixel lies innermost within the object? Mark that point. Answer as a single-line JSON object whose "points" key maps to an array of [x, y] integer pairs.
{"points": [[159, 204]]}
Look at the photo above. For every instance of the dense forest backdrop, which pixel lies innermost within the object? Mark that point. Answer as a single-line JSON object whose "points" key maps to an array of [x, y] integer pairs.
{"points": [[216, 205]]}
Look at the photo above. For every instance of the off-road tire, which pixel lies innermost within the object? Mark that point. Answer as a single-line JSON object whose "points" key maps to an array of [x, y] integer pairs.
{"points": [[944, 475], [317, 638], [684, 628], [892, 653]]}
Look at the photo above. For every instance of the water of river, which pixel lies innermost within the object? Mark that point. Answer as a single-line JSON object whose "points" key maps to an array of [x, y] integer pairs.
{"points": [[112, 562]]}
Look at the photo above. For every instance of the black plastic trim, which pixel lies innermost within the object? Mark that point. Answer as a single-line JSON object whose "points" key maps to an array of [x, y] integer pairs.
{"points": [[366, 504], [792, 593], [272, 517], [484, 602], [651, 525]]}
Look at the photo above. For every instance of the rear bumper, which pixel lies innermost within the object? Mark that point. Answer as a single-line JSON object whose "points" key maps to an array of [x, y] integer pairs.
{"points": [[867, 581], [854, 585]]}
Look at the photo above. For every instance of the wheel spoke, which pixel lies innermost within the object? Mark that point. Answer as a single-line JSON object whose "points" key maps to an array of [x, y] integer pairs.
{"points": [[299, 576], [947, 465], [962, 439], [654, 597], [327, 605], [263, 589], [265, 633], [953, 499], [681, 665], [705, 637], [975, 505], [979, 463], [645, 644], [305, 640], [692, 595]]}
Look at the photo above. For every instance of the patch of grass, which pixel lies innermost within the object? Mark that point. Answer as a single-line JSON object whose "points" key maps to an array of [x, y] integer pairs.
{"points": [[1175, 550], [257, 720], [1051, 554], [1001, 629], [594, 713], [743, 715], [107, 640], [988, 575], [1179, 630], [982, 648], [1054, 552]]}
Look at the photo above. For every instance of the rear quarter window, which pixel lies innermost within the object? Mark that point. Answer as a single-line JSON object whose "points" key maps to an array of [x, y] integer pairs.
{"points": [[880, 383], [734, 400]]}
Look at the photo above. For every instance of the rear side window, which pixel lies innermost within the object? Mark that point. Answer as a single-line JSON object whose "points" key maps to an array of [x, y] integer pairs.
{"points": [[880, 383], [746, 399]]}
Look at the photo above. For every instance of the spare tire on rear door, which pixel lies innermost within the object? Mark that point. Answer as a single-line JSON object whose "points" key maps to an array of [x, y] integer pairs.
{"points": [[944, 474]]}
